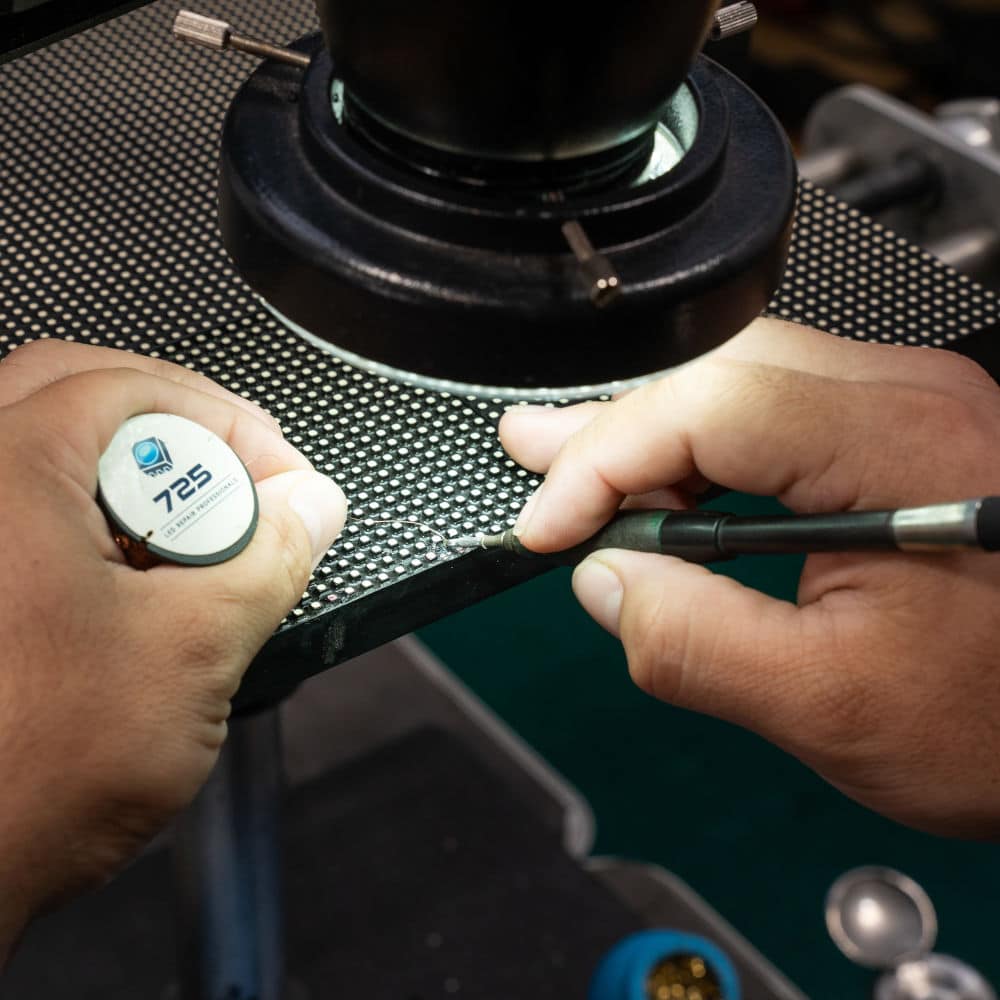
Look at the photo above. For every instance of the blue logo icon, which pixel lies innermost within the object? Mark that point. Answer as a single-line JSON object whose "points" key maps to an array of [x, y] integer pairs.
{"points": [[151, 456]]}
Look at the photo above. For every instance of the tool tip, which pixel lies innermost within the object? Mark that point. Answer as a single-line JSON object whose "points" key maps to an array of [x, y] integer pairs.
{"points": [[465, 542]]}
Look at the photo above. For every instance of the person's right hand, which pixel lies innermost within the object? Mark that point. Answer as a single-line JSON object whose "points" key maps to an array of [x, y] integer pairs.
{"points": [[115, 684], [886, 676]]}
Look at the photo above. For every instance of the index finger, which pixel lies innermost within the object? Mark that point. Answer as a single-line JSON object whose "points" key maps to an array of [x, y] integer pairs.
{"points": [[78, 415], [40, 363], [757, 428], [533, 439]]}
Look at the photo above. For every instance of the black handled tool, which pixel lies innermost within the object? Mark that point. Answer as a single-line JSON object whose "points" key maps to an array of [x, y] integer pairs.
{"points": [[708, 536]]}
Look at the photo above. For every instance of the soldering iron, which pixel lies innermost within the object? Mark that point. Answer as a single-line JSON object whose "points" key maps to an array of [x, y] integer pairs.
{"points": [[703, 536]]}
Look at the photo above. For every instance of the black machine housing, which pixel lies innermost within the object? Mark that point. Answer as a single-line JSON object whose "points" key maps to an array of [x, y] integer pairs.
{"points": [[390, 260]]}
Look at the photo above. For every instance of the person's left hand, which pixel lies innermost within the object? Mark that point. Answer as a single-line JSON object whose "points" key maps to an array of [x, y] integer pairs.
{"points": [[115, 684]]}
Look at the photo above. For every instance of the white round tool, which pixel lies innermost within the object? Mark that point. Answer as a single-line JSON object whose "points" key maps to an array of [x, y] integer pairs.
{"points": [[175, 492]]}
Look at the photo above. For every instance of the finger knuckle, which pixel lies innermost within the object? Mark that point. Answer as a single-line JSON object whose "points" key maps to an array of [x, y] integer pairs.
{"points": [[38, 353], [963, 371]]}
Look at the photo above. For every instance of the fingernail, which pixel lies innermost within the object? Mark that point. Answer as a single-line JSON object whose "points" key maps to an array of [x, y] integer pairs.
{"points": [[319, 504], [599, 590], [521, 524]]}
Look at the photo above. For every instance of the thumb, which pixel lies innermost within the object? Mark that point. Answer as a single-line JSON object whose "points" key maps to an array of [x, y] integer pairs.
{"points": [[301, 512], [305, 511], [697, 639]]}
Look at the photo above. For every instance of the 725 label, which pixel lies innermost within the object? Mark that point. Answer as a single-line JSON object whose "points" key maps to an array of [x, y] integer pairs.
{"points": [[185, 487]]}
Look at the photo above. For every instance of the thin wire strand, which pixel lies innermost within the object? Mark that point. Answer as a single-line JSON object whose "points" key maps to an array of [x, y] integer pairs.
{"points": [[403, 520]]}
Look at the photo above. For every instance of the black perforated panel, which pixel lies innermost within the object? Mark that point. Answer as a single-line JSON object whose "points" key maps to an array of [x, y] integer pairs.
{"points": [[108, 145], [850, 276]]}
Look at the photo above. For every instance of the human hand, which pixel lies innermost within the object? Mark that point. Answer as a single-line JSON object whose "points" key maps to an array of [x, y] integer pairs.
{"points": [[115, 683], [885, 677]]}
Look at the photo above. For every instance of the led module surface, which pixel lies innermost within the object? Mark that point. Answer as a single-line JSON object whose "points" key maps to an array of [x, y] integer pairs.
{"points": [[116, 243]]}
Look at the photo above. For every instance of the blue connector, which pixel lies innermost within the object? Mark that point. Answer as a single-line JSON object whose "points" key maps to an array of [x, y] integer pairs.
{"points": [[624, 972]]}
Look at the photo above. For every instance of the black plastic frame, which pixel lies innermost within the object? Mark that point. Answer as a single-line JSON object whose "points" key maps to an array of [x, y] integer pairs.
{"points": [[453, 283], [25, 30]]}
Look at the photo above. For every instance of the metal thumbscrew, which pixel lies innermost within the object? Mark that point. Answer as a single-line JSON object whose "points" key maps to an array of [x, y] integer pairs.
{"points": [[596, 271], [733, 19], [212, 34]]}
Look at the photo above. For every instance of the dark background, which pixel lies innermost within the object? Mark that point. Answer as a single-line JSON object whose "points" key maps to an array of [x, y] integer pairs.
{"points": [[922, 51]]}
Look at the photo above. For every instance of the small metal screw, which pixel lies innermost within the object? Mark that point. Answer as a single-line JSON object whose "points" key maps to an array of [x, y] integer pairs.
{"points": [[596, 271], [218, 35]]}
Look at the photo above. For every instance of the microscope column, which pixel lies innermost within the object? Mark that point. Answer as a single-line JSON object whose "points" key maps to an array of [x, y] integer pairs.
{"points": [[227, 872]]}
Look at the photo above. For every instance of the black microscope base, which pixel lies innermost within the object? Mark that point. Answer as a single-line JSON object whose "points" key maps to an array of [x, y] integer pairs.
{"points": [[437, 862]]}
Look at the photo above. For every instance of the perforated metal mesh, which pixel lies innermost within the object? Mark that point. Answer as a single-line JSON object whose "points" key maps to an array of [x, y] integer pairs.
{"points": [[852, 277], [108, 150]]}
